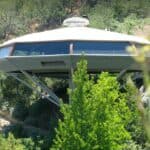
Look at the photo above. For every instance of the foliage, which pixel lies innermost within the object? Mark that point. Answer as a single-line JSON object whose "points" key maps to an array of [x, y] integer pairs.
{"points": [[10, 143], [132, 146], [19, 17], [135, 126], [129, 23], [97, 114], [104, 17], [140, 55]]}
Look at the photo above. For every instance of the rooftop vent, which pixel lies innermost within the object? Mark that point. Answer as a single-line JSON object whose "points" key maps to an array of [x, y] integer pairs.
{"points": [[76, 22]]}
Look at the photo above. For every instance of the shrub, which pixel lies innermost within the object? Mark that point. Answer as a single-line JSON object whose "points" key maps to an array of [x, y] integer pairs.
{"points": [[97, 114], [10, 143]]}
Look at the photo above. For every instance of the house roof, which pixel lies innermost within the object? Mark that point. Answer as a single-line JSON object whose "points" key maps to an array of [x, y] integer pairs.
{"points": [[76, 33]]}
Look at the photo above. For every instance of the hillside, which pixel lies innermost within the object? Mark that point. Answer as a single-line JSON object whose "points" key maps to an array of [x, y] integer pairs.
{"points": [[144, 32], [32, 120], [19, 17]]}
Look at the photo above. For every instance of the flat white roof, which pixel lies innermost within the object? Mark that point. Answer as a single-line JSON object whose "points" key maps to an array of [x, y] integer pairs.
{"points": [[77, 33]]}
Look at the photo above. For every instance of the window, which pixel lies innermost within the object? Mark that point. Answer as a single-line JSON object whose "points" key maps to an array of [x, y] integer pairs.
{"points": [[87, 47], [43, 48], [100, 47], [5, 51]]}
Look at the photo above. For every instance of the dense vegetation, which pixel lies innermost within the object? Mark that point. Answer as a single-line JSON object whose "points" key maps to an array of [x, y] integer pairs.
{"points": [[92, 126], [94, 119], [99, 116], [19, 17]]}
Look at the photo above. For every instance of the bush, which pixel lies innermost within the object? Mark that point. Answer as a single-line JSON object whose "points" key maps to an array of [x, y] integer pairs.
{"points": [[103, 17], [133, 146], [10, 143], [96, 117]]}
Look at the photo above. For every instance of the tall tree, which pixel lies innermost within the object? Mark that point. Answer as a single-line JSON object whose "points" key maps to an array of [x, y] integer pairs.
{"points": [[96, 117]]}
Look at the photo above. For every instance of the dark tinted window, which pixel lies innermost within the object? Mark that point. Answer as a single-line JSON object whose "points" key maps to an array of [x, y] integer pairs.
{"points": [[101, 47], [52, 48], [45, 48]]}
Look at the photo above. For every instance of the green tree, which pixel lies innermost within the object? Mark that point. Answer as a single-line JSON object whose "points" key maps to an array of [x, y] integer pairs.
{"points": [[96, 117], [135, 126], [102, 16], [129, 23]]}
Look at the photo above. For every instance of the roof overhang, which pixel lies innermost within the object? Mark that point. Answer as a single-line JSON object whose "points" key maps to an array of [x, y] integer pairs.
{"points": [[76, 34]]}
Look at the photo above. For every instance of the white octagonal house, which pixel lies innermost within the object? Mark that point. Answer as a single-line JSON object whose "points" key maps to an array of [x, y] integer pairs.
{"points": [[57, 51]]}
